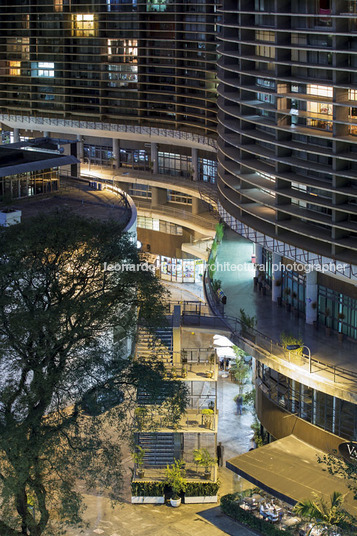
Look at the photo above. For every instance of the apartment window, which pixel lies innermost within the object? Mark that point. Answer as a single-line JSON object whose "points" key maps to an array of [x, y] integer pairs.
{"points": [[323, 8], [156, 5], [59, 4], [127, 49], [15, 68], [43, 69], [179, 197], [121, 5], [84, 25], [18, 47], [207, 170], [140, 190], [320, 91], [265, 35]]}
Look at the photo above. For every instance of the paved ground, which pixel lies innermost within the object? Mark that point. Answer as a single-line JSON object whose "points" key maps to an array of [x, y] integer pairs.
{"points": [[271, 319], [126, 519]]}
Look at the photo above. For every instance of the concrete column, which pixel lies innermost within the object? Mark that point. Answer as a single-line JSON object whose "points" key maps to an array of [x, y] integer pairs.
{"points": [[116, 153], [198, 205], [158, 196], [258, 257], [276, 275], [314, 406], [176, 335], [194, 164], [80, 147], [311, 297], [16, 135], [154, 159], [46, 134]]}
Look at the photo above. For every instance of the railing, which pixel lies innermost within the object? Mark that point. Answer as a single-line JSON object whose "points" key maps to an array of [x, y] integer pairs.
{"points": [[180, 214], [261, 343], [113, 127]]}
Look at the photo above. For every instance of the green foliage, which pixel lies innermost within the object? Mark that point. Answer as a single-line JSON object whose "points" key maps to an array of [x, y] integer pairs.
{"points": [[58, 311], [203, 458], [147, 489], [287, 339], [139, 455], [201, 489], [249, 398], [322, 514], [239, 352], [207, 411], [247, 321], [230, 506], [176, 478], [336, 465], [216, 284], [259, 439], [219, 232]]}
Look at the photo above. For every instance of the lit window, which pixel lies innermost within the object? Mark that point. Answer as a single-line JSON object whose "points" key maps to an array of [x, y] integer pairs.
{"points": [[15, 68], [83, 25], [320, 91], [127, 49], [46, 70], [352, 94]]}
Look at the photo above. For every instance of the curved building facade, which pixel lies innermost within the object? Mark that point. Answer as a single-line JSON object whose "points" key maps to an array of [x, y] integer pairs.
{"points": [[288, 123]]}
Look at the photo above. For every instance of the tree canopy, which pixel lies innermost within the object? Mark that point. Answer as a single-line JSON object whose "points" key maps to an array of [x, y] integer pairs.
{"points": [[64, 323]]}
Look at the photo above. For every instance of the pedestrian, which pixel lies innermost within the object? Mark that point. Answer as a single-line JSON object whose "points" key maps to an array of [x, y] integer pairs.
{"points": [[239, 405], [220, 450], [221, 363]]}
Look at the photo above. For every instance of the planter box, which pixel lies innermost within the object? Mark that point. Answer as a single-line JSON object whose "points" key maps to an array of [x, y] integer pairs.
{"points": [[147, 500], [201, 500]]}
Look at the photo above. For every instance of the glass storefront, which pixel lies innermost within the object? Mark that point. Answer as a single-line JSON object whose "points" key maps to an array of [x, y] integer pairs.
{"points": [[328, 412], [181, 270], [293, 289], [337, 311]]}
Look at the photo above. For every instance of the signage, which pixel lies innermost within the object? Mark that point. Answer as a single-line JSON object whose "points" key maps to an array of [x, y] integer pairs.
{"points": [[349, 452]]}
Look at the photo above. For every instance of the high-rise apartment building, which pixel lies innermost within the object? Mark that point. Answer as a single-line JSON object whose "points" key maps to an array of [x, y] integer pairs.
{"points": [[288, 145], [113, 69]]}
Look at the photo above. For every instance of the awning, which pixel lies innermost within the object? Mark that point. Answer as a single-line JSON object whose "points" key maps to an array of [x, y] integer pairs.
{"points": [[38, 165], [288, 468]]}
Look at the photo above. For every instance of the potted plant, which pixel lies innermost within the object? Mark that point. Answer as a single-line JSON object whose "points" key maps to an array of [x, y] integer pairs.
{"points": [[175, 478], [327, 322], [295, 303], [184, 372], [207, 417], [248, 324], [209, 373], [287, 293], [212, 359], [340, 317], [314, 306], [141, 417], [203, 458], [139, 455]]}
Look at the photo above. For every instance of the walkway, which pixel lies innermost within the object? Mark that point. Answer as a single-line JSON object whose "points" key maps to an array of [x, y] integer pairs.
{"points": [[126, 519], [271, 319]]}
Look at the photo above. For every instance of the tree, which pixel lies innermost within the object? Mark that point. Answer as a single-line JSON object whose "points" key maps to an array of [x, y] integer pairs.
{"points": [[336, 465], [321, 513], [63, 322]]}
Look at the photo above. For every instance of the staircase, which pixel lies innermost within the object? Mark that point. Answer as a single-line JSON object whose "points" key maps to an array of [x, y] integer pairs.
{"points": [[160, 345], [208, 193], [160, 449]]}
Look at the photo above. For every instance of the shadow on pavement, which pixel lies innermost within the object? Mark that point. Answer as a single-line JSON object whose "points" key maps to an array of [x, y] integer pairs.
{"points": [[223, 522]]}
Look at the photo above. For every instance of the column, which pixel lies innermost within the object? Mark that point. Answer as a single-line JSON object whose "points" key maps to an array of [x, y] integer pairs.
{"points": [[116, 153], [311, 297], [258, 257], [154, 160], [198, 205], [16, 135], [158, 196], [276, 276], [80, 147], [194, 155], [46, 134]]}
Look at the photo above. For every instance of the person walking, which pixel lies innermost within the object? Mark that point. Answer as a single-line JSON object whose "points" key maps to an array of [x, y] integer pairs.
{"points": [[239, 405], [220, 451]]}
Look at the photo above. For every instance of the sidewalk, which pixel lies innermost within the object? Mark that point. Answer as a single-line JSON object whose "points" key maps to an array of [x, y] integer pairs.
{"points": [[271, 319]]}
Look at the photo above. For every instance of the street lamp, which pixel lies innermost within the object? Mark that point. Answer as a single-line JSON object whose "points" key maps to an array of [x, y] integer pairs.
{"points": [[296, 347]]}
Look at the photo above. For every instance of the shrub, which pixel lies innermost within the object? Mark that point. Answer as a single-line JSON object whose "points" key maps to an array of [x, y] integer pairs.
{"points": [[231, 507], [147, 489], [201, 489]]}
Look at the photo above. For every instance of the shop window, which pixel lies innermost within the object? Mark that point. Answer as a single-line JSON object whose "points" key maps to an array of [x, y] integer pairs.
{"points": [[84, 25]]}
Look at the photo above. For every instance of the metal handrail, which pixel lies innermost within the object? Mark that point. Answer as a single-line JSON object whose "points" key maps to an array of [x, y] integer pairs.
{"points": [[267, 344]]}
